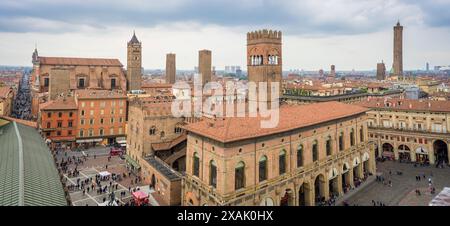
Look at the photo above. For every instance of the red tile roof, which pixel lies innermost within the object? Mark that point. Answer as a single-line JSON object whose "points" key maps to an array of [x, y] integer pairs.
{"points": [[60, 104], [79, 61], [406, 104], [291, 117], [99, 94]]}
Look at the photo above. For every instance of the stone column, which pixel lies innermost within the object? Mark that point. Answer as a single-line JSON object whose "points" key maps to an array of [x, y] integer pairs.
{"points": [[350, 177], [309, 195], [431, 155], [413, 154], [326, 189], [395, 151], [360, 170], [339, 185]]}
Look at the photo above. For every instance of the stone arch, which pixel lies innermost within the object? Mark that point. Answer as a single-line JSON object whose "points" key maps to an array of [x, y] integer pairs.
{"points": [[388, 150], [422, 154], [345, 176], [357, 168], [440, 149], [319, 188], [404, 152], [333, 182]]}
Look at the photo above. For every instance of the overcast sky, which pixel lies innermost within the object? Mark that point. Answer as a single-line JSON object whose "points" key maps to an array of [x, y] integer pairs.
{"points": [[352, 34]]}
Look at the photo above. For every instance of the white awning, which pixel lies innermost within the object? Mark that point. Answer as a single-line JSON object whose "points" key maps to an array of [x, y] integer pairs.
{"points": [[104, 173], [421, 150], [89, 140], [121, 141]]}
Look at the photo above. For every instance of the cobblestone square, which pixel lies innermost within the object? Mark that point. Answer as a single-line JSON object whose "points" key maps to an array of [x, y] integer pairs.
{"points": [[402, 192]]}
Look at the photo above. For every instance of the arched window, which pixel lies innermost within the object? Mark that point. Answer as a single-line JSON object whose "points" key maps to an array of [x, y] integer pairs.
{"points": [[315, 151], [163, 134], [352, 137], [300, 156], [328, 145], [196, 165], [213, 174], [282, 162], [341, 141], [263, 168], [361, 134], [239, 176], [151, 131]]}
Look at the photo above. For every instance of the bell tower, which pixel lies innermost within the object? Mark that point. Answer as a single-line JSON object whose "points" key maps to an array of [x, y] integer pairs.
{"points": [[264, 59], [134, 64]]}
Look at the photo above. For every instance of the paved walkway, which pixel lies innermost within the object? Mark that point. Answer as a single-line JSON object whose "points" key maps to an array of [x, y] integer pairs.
{"points": [[403, 187]]}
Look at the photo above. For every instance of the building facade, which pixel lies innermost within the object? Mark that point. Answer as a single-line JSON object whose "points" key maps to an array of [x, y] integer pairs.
{"points": [[58, 122], [101, 115], [410, 130], [307, 158]]}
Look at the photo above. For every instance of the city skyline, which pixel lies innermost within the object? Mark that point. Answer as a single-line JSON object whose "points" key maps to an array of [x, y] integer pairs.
{"points": [[348, 34]]}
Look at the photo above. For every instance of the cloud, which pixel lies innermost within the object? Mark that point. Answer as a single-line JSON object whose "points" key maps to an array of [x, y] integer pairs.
{"points": [[306, 17]]}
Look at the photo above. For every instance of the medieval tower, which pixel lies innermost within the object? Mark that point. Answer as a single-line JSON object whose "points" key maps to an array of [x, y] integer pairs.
{"points": [[204, 66], [134, 64], [170, 68], [381, 71], [264, 61], [398, 51]]}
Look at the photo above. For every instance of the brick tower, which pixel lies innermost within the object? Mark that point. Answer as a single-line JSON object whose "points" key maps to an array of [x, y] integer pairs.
{"points": [[264, 58], [170, 68], [398, 51], [134, 64]]}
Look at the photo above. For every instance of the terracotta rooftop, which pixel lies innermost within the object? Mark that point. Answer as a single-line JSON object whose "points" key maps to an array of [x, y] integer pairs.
{"points": [[99, 94], [291, 117], [406, 104], [59, 104], [79, 61]]}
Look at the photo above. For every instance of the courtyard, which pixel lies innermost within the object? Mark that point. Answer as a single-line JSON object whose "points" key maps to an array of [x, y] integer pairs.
{"points": [[404, 185], [89, 164]]}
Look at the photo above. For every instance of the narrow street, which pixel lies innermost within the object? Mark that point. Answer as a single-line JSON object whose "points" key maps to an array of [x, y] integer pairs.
{"points": [[22, 102]]}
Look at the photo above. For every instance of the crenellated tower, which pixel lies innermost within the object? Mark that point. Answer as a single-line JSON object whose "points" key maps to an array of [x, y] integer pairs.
{"points": [[264, 58]]}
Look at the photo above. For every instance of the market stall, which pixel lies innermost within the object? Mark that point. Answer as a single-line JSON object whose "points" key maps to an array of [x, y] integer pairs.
{"points": [[140, 198]]}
